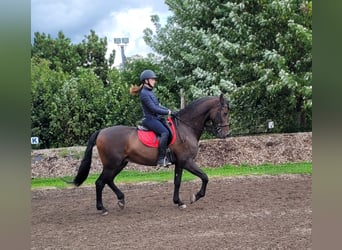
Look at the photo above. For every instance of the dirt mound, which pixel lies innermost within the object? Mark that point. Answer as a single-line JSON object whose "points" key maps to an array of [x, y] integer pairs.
{"points": [[254, 150]]}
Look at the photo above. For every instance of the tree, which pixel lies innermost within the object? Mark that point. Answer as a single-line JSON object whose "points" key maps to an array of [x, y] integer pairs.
{"points": [[257, 52], [60, 51], [68, 57], [45, 83], [79, 109], [65, 109], [93, 55]]}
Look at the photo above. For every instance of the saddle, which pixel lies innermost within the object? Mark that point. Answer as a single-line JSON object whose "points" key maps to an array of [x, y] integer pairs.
{"points": [[150, 139]]}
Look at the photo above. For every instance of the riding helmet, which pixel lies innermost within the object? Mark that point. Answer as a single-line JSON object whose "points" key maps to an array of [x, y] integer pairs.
{"points": [[147, 74]]}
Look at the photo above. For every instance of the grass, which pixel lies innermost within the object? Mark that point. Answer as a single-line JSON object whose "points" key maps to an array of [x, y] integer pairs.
{"points": [[165, 175]]}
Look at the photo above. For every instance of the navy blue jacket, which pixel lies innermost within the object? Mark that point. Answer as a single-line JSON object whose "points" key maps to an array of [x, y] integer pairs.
{"points": [[150, 104]]}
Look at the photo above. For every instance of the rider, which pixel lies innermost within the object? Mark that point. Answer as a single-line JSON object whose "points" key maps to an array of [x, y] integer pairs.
{"points": [[153, 113]]}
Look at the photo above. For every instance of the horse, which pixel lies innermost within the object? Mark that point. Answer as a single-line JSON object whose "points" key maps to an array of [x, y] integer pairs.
{"points": [[118, 145]]}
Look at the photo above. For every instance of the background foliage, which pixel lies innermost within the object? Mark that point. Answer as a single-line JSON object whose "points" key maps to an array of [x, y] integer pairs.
{"points": [[257, 52]]}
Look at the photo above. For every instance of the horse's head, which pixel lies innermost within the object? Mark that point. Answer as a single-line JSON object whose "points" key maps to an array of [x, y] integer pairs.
{"points": [[207, 112], [219, 115]]}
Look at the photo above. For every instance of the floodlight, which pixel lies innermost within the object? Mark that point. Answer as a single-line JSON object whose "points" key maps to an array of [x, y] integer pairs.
{"points": [[117, 40], [125, 40]]}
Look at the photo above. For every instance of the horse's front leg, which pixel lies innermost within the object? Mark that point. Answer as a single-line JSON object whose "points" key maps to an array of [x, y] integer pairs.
{"points": [[192, 167], [177, 183]]}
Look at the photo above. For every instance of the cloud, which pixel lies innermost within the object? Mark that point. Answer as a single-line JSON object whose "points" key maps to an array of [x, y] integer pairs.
{"points": [[129, 23], [75, 18], [71, 17]]}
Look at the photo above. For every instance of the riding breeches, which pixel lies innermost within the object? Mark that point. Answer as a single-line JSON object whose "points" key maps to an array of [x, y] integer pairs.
{"points": [[155, 125]]}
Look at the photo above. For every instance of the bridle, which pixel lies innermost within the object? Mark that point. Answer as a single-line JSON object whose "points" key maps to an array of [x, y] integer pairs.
{"points": [[217, 122], [217, 125]]}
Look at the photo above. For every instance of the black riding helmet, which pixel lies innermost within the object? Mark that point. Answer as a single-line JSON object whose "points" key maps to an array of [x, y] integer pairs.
{"points": [[147, 74]]}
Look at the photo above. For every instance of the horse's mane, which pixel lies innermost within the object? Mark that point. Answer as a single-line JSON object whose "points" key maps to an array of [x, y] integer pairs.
{"points": [[191, 107]]}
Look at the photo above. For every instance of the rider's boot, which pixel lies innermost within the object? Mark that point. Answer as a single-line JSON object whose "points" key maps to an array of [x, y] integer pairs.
{"points": [[163, 161]]}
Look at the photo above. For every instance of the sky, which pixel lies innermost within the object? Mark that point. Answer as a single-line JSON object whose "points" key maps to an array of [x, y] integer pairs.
{"points": [[108, 18]]}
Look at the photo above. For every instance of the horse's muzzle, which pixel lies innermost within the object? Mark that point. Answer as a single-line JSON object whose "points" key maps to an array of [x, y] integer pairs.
{"points": [[222, 133]]}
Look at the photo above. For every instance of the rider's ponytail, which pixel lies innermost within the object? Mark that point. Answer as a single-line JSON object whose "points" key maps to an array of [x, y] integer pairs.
{"points": [[133, 90]]}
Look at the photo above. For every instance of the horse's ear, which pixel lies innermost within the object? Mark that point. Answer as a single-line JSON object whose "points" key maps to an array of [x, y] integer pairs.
{"points": [[222, 99]]}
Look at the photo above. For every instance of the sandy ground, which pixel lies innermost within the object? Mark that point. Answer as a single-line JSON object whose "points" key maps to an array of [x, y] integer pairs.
{"points": [[265, 212]]}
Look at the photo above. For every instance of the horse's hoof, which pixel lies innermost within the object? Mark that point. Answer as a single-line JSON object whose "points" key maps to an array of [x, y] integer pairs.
{"points": [[192, 198], [121, 204], [183, 206]]}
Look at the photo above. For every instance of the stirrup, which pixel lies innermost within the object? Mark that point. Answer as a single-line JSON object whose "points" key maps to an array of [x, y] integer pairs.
{"points": [[165, 163]]}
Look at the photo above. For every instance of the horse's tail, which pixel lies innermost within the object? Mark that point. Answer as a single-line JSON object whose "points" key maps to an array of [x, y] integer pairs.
{"points": [[84, 168]]}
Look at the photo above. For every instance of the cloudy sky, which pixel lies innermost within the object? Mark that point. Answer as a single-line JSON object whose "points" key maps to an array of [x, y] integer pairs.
{"points": [[108, 18]]}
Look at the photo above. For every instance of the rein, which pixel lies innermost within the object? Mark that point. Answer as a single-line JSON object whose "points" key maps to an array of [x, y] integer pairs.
{"points": [[216, 125], [186, 123]]}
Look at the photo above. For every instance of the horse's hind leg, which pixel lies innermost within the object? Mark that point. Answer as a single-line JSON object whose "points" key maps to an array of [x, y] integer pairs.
{"points": [[116, 190], [100, 183], [107, 177]]}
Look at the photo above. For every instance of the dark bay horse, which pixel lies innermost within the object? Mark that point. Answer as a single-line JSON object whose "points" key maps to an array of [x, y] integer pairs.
{"points": [[119, 145]]}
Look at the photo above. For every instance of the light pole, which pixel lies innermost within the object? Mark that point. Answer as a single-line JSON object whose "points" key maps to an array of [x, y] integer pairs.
{"points": [[122, 42]]}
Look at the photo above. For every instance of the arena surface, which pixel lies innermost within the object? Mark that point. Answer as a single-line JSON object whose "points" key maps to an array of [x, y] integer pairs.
{"points": [[256, 212]]}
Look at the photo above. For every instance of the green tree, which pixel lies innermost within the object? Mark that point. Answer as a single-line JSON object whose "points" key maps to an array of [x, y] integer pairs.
{"points": [[60, 52], [93, 51], [257, 52], [78, 109], [66, 108], [45, 83], [90, 53]]}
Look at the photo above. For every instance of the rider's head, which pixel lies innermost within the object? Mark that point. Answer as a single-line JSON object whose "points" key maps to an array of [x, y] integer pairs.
{"points": [[146, 75]]}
